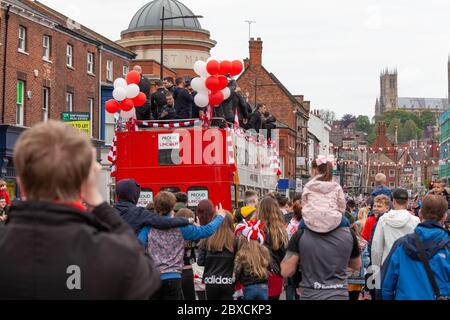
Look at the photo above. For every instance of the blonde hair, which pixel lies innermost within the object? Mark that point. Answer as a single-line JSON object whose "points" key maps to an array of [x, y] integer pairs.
{"points": [[362, 214], [52, 161], [223, 238], [269, 213], [2, 183], [252, 258], [384, 199]]}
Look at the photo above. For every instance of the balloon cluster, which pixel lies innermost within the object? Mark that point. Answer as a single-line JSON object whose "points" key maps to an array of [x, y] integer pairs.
{"points": [[212, 83], [126, 94]]}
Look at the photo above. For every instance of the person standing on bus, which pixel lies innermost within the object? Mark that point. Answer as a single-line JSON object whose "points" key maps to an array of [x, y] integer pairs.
{"points": [[158, 98], [167, 247], [167, 112], [276, 241], [183, 100], [128, 192], [144, 112]]}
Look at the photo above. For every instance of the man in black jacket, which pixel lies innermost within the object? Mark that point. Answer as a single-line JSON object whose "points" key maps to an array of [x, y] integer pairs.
{"points": [[183, 100], [128, 192], [227, 105], [53, 246], [242, 107], [158, 98], [144, 112], [257, 120]]}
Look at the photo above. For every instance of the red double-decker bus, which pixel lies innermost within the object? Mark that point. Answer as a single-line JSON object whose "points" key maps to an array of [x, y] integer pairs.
{"points": [[205, 162]]}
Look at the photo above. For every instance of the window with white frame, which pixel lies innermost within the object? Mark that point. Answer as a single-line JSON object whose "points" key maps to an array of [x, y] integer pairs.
{"points": [[69, 58], [22, 39], [20, 102], [109, 70], [392, 185], [69, 101], [45, 103], [383, 172], [91, 115], [373, 173], [46, 45], [90, 63], [125, 70], [392, 173]]}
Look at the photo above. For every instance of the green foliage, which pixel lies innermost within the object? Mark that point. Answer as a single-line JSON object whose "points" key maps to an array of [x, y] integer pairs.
{"points": [[363, 124], [409, 125]]}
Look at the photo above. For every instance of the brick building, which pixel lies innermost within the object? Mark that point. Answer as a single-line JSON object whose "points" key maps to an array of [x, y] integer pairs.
{"points": [[383, 158], [292, 112], [185, 42], [52, 65]]}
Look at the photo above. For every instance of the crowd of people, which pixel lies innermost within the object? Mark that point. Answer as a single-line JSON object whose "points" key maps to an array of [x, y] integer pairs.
{"points": [[174, 99], [63, 241]]}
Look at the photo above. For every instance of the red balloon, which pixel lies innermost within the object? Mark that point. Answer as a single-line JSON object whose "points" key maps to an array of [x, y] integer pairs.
{"points": [[225, 67], [112, 106], [133, 77], [223, 82], [212, 83], [236, 67], [127, 105], [140, 100], [213, 67], [216, 98]]}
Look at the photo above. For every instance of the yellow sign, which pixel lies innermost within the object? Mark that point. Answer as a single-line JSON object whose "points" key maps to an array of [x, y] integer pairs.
{"points": [[78, 120]]}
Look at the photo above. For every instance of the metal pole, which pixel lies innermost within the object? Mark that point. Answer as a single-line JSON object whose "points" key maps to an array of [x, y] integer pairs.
{"points": [[256, 89], [162, 43], [4, 61]]}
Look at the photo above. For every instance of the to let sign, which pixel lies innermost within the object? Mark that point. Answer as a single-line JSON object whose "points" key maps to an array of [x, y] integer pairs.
{"points": [[78, 120]]}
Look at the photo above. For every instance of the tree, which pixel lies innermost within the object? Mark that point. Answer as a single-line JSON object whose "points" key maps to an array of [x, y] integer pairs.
{"points": [[394, 123], [328, 116], [363, 124], [409, 131], [427, 119], [348, 119]]}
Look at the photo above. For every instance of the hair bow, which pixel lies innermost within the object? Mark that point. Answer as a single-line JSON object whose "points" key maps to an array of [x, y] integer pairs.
{"points": [[321, 159], [251, 230]]}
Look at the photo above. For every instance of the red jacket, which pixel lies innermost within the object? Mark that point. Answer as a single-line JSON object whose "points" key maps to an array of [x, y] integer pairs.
{"points": [[368, 227], [5, 194]]}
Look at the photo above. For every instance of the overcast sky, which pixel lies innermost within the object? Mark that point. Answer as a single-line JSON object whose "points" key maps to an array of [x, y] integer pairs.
{"points": [[330, 51]]}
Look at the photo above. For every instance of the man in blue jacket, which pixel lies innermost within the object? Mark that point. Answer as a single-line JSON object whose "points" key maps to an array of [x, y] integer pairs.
{"points": [[128, 192], [183, 100], [404, 276], [380, 188]]}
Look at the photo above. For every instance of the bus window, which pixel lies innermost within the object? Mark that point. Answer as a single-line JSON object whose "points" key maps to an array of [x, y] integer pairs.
{"points": [[195, 195], [259, 192], [170, 189], [145, 197]]}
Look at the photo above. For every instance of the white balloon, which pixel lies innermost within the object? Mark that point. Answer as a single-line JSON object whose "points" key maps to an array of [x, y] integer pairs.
{"points": [[198, 84], [120, 83], [201, 100], [127, 115], [226, 93], [120, 94], [132, 91], [200, 68]]}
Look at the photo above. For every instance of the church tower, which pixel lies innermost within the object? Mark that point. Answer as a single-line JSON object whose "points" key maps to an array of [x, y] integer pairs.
{"points": [[389, 90]]}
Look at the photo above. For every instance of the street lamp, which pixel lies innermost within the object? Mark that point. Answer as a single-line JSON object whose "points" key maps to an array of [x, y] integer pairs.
{"points": [[163, 19]]}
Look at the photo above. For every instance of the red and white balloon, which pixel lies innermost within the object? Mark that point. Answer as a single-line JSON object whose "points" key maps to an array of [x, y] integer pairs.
{"points": [[127, 96], [212, 83]]}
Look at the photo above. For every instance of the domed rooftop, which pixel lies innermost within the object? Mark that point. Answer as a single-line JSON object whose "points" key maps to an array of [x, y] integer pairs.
{"points": [[149, 16]]}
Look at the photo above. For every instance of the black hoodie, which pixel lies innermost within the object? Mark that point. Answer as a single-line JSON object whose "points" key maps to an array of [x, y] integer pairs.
{"points": [[128, 192]]}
